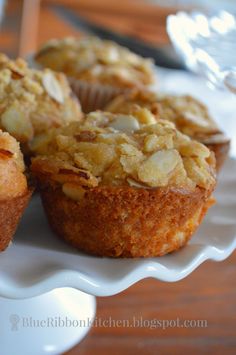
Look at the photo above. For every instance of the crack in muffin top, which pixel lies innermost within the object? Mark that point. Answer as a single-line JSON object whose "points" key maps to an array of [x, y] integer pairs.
{"points": [[117, 149]]}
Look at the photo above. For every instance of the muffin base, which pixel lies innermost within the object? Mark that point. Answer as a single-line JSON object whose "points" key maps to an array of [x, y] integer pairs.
{"points": [[11, 211], [124, 221]]}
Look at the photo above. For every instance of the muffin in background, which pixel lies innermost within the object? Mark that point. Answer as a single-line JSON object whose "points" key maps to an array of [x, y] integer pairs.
{"points": [[120, 186], [97, 69], [189, 115], [14, 190], [32, 101]]}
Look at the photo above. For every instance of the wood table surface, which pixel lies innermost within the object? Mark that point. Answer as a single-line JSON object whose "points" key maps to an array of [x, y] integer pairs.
{"points": [[209, 293]]}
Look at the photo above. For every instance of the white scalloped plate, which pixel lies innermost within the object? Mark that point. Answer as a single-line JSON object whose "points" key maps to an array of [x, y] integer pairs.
{"points": [[38, 261]]}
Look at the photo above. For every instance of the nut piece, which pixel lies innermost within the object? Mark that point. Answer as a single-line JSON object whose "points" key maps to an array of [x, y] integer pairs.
{"points": [[81, 176], [156, 170], [197, 172], [194, 149], [17, 124], [153, 142], [73, 191], [52, 87], [5, 154], [130, 158], [134, 183], [125, 124], [196, 120], [144, 116]]}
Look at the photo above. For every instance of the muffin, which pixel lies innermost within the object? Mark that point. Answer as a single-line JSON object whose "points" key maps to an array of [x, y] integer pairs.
{"points": [[115, 186], [190, 116], [98, 69], [14, 190], [32, 101]]}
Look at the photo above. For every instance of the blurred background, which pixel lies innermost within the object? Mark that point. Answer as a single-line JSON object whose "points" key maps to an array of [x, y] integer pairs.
{"points": [[26, 24]]}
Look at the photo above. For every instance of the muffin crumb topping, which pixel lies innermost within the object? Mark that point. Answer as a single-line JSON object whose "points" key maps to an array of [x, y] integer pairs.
{"points": [[94, 60], [108, 153], [32, 101]]}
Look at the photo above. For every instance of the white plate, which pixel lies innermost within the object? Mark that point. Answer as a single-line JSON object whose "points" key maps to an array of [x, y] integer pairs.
{"points": [[38, 261]]}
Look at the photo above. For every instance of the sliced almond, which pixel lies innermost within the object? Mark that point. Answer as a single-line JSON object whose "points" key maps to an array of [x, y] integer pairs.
{"points": [[5, 154], [215, 139], [53, 87], [198, 173], [156, 170], [16, 72], [16, 75], [196, 120], [152, 142], [194, 149], [134, 183], [85, 136], [73, 191], [144, 116], [80, 176], [17, 124], [125, 123]]}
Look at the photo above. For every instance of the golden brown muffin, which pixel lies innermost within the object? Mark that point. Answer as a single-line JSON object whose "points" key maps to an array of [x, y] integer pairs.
{"points": [[190, 116], [116, 186], [32, 101], [96, 61], [14, 190]]}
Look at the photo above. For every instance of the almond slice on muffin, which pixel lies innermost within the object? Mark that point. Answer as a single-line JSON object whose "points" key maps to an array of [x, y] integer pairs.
{"points": [[130, 201]]}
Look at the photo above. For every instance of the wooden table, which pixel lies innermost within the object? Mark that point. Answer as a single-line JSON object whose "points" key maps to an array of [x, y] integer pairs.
{"points": [[209, 293]]}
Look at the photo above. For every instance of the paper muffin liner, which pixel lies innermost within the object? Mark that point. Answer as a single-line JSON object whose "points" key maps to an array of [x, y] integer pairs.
{"points": [[94, 96]]}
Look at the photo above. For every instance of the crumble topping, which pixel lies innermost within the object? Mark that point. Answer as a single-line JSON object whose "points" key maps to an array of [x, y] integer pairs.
{"points": [[92, 59], [32, 101], [189, 115], [104, 150]]}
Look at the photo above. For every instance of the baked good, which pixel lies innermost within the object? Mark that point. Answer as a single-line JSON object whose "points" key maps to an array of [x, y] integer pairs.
{"points": [[98, 70], [190, 116], [32, 101], [120, 186], [92, 59], [14, 190]]}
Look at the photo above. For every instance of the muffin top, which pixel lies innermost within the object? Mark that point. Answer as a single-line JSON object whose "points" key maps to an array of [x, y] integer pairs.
{"points": [[12, 179], [94, 60], [32, 101], [189, 115], [118, 150]]}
